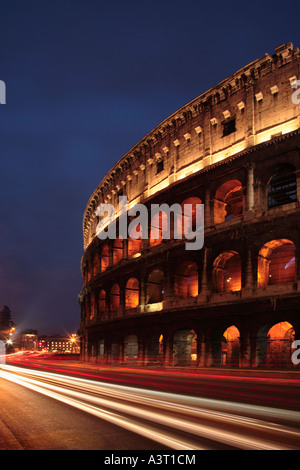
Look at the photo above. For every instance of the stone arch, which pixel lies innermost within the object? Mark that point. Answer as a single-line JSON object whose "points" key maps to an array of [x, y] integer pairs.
{"points": [[191, 209], [114, 303], [274, 344], [282, 186], [132, 293], [131, 349], [102, 301], [95, 264], [231, 347], [104, 257], [185, 347], [92, 306], [159, 227], [276, 263], [155, 287], [135, 245], [227, 272], [118, 250], [228, 202], [186, 279]]}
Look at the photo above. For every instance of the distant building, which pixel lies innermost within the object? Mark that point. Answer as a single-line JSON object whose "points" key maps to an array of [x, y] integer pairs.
{"points": [[26, 341], [58, 344]]}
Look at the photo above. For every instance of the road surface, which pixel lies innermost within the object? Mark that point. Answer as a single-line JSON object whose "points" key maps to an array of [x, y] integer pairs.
{"points": [[32, 421], [156, 418]]}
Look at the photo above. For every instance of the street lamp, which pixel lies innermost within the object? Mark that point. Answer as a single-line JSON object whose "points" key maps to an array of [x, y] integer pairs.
{"points": [[73, 340]]}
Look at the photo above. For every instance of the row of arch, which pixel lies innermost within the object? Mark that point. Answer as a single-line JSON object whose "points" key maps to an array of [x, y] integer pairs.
{"points": [[273, 347], [228, 203], [276, 264]]}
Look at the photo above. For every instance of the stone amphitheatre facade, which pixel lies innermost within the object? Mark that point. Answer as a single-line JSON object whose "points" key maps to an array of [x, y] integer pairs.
{"points": [[236, 301]]}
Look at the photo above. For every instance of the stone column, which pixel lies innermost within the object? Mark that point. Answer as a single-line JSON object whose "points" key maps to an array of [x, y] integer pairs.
{"points": [[250, 187], [219, 211], [121, 352], [253, 352], [207, 352], [110, 253], [122, 299], [141, 351], [207, 211], [168, 351], [245, 351], [125, 248], [142, 299], [200, 350], [249, 272], [204, 283], [170, 284]]}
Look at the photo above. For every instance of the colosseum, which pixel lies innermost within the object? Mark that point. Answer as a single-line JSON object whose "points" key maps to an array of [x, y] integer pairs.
{"points": [[235, 302]]}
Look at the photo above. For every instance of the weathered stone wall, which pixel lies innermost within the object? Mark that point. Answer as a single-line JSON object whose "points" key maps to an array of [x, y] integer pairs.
{"points": [[179, 304]]}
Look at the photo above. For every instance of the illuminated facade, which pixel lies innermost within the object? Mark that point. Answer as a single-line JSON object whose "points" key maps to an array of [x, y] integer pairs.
{"points": [[59, 344], [235, 302], [26, 341]]}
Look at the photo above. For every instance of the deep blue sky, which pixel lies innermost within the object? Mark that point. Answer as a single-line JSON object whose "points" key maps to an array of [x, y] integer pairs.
{"points": [[86, 80]]}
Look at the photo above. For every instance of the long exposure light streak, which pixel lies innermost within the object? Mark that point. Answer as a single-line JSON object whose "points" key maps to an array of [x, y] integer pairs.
{"points": [[176, 421]]}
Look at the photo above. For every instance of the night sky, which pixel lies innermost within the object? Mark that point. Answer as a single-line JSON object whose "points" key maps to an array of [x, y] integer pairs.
{"points": [[86, 80]]}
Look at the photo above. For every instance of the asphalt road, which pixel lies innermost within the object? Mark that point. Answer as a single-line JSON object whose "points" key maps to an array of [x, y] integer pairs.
{"points": [[115, 415], [268, 388], [31, 421]]}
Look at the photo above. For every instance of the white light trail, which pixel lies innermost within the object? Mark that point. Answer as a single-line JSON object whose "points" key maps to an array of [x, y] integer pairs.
{"points": [[196, 417]]}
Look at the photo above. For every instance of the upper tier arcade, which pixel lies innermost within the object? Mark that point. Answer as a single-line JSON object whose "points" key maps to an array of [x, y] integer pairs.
{"points": [[249, 109]]}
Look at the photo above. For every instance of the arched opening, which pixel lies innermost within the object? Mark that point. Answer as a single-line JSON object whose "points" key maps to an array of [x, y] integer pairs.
{"points": [[132, 293], [104, 257], [186, 280], [276, 263], [89, 271], [155, 287], [154, 348], [231, 347], [102, 301], [274, 345], [159, 228], [117, 250], [115, 298], [282, 188], [185, 347], [228, 202], [191, 209], [227, 272], [135, 245], [279, 346], [92, 307], [131, 349], [95, 264]]}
